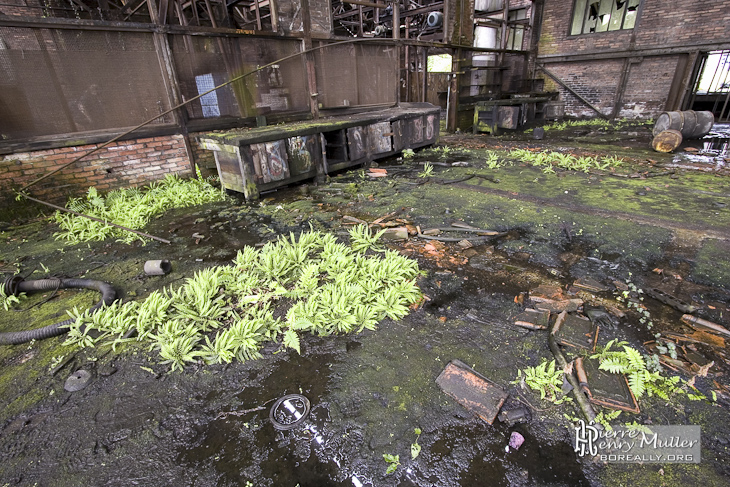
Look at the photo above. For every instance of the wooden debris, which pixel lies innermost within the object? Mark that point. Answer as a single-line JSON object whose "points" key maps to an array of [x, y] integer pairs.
{"points": [[670, 300], [351, 220], [574, 331], [556, 306], [463, 226], [533, 319], [431, 232], [604, 388], [697, 337], [589, 284], [700, 324], [472, 390], [548, 292], [465, 244], [375, 172]]}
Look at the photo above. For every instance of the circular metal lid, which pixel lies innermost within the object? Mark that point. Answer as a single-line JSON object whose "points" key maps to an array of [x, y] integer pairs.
{"points": [[289, 411]]}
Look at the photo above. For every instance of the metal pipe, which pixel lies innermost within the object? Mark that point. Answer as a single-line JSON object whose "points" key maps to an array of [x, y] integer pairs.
{"points": [[365, 4]]}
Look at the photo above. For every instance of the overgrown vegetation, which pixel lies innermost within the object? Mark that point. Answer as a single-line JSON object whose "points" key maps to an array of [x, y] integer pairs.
{"points": [[130, 207], [631, 362], [544, 379], [312, 283], [598, 123], [548, 160], [8, 300]]}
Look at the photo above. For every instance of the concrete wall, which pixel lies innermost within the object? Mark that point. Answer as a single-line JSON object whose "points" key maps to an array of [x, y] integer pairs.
{"points": [[631, 73]]}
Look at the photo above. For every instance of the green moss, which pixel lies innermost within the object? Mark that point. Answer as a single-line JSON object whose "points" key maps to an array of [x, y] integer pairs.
{"points": [[712, 266]]}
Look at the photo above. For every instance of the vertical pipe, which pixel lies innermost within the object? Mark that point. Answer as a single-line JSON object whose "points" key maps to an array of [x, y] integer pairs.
{"points": [[309, 62], [425, 74], [396, 19]]}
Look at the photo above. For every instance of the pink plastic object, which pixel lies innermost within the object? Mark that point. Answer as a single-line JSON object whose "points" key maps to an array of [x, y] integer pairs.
{"points": [[516, 440]]}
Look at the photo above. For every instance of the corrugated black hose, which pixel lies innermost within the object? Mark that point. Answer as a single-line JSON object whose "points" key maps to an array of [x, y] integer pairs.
{"points": [[16, 285]]}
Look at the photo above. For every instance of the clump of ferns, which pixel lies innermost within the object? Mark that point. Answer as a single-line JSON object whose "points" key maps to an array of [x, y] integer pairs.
{"points": [[131, 207], [200, 300], [176, 342], [362, 239], [226, 313]]}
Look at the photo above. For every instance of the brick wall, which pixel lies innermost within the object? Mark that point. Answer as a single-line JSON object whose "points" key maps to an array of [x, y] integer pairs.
{"points": [[648, 86], [661, 24], [122, 164], [596, 81]]}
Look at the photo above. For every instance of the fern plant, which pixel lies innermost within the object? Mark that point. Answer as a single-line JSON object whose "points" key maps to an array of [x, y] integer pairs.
{"points": [[545, 379], [361, 239], [630, 362]]}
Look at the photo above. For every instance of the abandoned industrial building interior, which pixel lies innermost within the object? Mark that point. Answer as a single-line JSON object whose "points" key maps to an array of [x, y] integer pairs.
{"points": [[364, 242]]}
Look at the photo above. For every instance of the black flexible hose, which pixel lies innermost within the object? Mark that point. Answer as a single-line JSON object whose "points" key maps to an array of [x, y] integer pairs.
{"points": [[14, 286]]}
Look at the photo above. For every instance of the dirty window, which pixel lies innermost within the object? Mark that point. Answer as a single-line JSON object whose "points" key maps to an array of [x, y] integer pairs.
{"points": [[516, 29], [591, 16]]}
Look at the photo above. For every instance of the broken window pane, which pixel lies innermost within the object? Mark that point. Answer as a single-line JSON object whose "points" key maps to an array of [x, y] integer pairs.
{"points": [[631, 11], [578, 13], [603, 15]]}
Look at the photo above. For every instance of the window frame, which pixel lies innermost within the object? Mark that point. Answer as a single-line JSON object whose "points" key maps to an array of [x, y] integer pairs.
{"points": [[588, 3]]}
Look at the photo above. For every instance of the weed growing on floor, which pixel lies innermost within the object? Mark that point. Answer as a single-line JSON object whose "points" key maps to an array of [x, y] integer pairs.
{"points": [[9, 300], [545, 380], [312, 283], [130, 207], [548, 160], [630, 362], [427, 171]]}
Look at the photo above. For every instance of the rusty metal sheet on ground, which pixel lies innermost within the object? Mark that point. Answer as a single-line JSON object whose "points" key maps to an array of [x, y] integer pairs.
{"points": [[604, 388], [574, 331], [472, 390]]}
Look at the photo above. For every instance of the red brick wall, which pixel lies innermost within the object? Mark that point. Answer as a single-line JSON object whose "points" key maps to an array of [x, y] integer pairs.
{"points": [[660, 24], [595, 81], [648, 87], [122, 164]]}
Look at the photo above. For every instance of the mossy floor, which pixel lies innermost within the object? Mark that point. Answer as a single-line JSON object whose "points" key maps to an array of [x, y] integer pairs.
{"points": [[138, 424]]}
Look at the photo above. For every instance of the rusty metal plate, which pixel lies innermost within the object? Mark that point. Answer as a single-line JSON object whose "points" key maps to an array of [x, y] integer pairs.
{"points": [[379, 137], [415, 130], [574, 331], [508, 117], [399, 141], [603, 388], [303, 152], [270, 161], [472, 390], [356, 142]]}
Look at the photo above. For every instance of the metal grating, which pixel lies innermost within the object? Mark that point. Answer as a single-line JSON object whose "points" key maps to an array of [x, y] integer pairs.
{"points": [[279, 88], [356, 75], [60, 82]]}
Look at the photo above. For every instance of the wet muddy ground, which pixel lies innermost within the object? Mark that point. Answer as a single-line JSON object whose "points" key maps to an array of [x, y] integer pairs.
{"points": [[661, 221]]}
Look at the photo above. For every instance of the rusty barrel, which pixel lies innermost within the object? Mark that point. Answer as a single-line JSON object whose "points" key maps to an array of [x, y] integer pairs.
{"points": [[667, 141], [690, 123]]}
